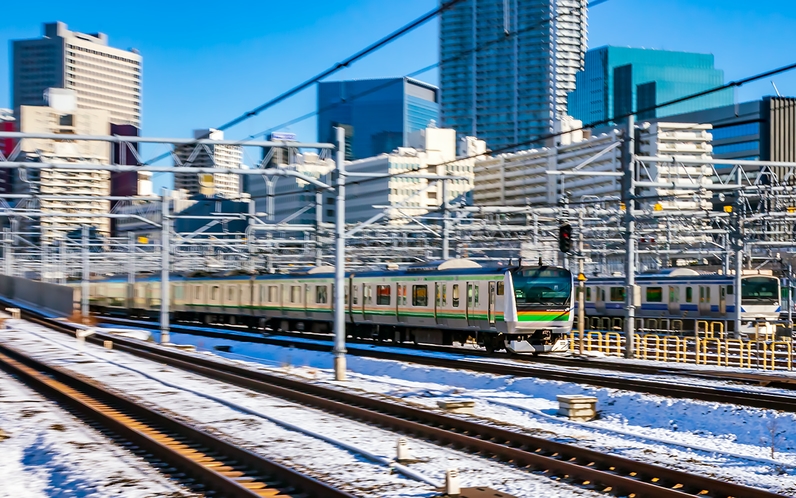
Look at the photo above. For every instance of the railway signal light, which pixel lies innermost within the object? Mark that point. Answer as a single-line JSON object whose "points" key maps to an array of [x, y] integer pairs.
{"points": [[565, 238]]}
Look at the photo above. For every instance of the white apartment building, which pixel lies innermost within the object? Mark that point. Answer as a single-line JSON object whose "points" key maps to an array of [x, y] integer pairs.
{"points": [[82, 207], [104, 78], [433, 151], [522, 179], [225, 185]]}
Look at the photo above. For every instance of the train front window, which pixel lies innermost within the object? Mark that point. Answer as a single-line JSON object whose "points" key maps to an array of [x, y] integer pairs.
{"points": [[545, 286], [760, 290]]}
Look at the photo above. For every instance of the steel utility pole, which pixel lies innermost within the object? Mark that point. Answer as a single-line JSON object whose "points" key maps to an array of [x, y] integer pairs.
{"points": [[84, 287], [7, 250], [445, 224], [581, 287], [318, 224], [339, 262], [130, 269], [790, 298], [164, 268], [628, 197]]}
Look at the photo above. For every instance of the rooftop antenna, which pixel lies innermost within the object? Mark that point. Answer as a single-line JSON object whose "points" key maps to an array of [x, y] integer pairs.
{"points": [[775, 88]]}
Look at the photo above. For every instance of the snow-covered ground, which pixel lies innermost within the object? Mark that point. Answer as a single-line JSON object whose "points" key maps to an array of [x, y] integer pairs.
{"points": [[746, 445], [45, 451], [345, 453]]}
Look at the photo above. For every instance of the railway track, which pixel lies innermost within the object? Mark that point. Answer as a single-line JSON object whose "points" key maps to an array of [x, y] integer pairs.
{"points": [[223, 469], [580, 466], [532, 368]]}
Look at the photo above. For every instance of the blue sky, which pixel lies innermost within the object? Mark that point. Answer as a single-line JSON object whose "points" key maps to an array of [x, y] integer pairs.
{"points": [[208, 62]]}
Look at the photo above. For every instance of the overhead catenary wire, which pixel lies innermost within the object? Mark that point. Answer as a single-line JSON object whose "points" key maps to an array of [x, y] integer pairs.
{"points": [[374, 47], [732, 84]]}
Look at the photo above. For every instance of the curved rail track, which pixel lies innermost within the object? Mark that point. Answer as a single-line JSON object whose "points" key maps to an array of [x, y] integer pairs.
{"points": [[221, 467], [579, 466], [532, 368]]}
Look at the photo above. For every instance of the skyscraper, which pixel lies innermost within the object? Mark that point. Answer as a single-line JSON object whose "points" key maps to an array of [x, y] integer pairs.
{"points": [[378, 115], [619, 80], [507, 66], [210, 156], [104, 78]]}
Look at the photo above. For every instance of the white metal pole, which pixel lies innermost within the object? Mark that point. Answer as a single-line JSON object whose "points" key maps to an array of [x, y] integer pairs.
{"points": [[581, 287], [445, 223], [318, 223], [339, 267], [630, 237], [130, 269], [7, 251], [84, 286], [164, 268]]}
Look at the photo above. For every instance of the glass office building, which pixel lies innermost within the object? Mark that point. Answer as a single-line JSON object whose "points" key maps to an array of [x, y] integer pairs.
{"points": [[619, 80], [377, 115], [506, 69]]}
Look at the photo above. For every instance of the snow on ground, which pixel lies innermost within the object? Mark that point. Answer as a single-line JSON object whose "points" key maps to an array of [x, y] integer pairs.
{"points": [[259, 423], [720, 440], [46, 451]]}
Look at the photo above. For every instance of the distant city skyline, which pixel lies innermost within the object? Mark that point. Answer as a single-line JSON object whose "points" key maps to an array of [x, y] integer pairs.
{"points": [[197, 79]]}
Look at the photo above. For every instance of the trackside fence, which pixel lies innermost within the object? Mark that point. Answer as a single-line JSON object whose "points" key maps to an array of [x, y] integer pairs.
{"points": [[762, 351], [57, 299]]}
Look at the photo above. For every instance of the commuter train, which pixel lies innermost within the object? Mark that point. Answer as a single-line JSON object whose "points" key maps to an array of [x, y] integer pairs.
{"points": [[518, 308], [681, 297]]}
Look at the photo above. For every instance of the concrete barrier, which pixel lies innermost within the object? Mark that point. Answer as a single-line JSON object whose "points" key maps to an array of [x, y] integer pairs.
{"points": [[57, 299]]}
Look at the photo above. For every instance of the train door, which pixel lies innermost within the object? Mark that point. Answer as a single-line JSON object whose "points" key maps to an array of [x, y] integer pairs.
{"points": [[491, 307], [599, 300], [723, 299], [674, 299], [468, 310], [704, 299], [437, 297]]}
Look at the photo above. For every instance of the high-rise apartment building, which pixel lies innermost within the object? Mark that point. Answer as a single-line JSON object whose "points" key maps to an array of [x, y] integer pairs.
{"points": [[378, 115], [507, 66], [84, 188], [617, 81], [104, 78], [210, 156]]}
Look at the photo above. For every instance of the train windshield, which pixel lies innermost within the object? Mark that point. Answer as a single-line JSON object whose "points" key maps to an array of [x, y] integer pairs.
{"points": [[760, 290], [542, 286]]}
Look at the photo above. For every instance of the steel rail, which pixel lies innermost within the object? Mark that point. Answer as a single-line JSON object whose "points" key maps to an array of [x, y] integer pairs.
{"points": [[665, 388], [594, 469], [222, 466]]}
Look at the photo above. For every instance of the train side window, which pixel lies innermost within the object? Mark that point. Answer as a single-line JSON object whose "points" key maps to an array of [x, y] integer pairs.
{"points": [[321, 294], [295, 293], [214, 293], [689, 294], [588, 293], [701, 294], [500, 289], [707, 294], [654, 294], [231, 293], [475, 290], [617, 294], [437, 295], [383, 297], [405, 294], [178, 292], [455, 296], [197, 291], [674, 294], [273, 294], [262, 294], [444, 294], [356, 294], [419, 295], [730, 290]]}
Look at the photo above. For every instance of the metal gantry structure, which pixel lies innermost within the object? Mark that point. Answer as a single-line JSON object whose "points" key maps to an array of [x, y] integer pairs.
{"points": [[747, 221]]}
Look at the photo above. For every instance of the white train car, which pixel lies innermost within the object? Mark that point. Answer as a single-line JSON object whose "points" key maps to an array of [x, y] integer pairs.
{"points": [[685, 296]]}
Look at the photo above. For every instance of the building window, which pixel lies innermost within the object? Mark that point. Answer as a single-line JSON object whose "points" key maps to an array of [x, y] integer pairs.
{"points": [[214, 293]]}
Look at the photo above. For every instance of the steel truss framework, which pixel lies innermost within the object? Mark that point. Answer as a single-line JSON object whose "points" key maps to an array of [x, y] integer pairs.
{"points": [[749, 221]]}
